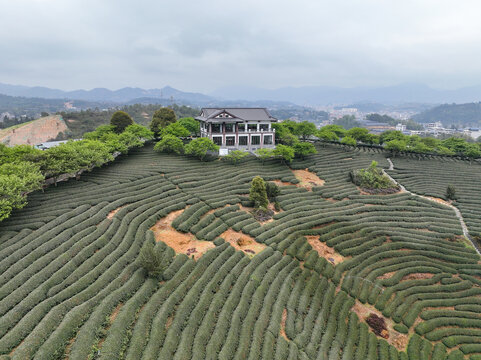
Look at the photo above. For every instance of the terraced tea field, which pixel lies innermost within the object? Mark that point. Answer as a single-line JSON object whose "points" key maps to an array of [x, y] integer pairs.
{"points": [[299, 287]]}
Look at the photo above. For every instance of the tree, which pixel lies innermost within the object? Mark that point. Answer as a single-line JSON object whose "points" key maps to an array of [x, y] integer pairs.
{"points": [[150, 258], [371, 139], [421, 148], [235, 156], [44, 114], [472, 151], [16, 180], [100, 132], [282, 132], [264, 154], [199, 147], [305, 129], [396, 146], [175, 129], [170, 144], [140, 131], [120, 120], [302, 149], [347, 140], [442, 150], [451, 193], [389, 135], [347, 122], [327, 135], [272, 190], [336, 129], [358, 133], [258, 193], [285, 153], [190, 124], [289, 139], [161, 119]]}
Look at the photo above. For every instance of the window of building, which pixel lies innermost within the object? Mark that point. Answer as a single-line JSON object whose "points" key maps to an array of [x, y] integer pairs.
{"points": [[267, 139], [216, 128], [243, 140], [252, 127], [264, 127], [229, 127], [255, 140], [217, 140], [230, 140]]}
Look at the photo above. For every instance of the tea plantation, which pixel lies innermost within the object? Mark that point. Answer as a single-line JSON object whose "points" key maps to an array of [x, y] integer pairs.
{"points": [[71, 286]]}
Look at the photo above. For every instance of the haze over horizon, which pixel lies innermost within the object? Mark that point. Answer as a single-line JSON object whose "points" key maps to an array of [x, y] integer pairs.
{"points": [[209, 45]]}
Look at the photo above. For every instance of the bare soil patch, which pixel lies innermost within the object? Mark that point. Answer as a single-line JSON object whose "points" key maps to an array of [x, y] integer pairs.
{"points": [[308, 179], [282, 183], [325, 251], [393, 337], [242, 242], [115, 312], [180, 242], [111, 214], [35, 132], [283, 324], [387, 275], [439, 200], [417, 276]]}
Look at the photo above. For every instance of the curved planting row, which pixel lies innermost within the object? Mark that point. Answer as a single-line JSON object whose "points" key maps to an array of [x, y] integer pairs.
{"points": [[70, 285]]}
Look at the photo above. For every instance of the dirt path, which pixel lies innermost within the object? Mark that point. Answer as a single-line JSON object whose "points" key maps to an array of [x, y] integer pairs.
{"points": [[456, 210]]}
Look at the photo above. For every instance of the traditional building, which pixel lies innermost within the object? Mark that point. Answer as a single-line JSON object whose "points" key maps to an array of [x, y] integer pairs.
{"points": [[238, 128]]}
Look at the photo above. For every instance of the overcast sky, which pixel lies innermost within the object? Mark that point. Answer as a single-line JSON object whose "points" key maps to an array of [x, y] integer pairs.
{"points": [[202, 45]]}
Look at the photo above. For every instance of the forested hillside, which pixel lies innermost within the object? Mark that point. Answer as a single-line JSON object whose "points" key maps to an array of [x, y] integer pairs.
{"points": [[459, 115], [88, 120]]}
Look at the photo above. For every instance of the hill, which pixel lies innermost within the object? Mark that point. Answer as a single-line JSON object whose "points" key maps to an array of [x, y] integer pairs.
{"points": [[336, 274], [35, 132], [459, 115], [33, 107]]}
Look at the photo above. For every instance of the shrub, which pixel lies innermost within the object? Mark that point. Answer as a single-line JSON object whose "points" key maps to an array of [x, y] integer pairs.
{"points": [[451, 193], [272, 190], [150, 258], [377, 324]]}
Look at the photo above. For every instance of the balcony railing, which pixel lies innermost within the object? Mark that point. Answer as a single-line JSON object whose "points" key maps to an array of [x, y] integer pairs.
{"points": [[241, 131]]}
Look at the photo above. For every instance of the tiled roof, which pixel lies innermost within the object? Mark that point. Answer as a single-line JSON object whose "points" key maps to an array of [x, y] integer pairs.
{"points": [[237, 113]]}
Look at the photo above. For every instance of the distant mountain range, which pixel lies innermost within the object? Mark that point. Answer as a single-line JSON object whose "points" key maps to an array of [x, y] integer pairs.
{"points": [[123, 95], [326, 95], [251, 96]]}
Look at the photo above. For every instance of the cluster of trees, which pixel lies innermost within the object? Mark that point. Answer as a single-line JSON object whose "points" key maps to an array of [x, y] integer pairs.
{"points": [[23, 168], [260, 193], [7, 122], [83, 121], [165, 126], [397, 142]]}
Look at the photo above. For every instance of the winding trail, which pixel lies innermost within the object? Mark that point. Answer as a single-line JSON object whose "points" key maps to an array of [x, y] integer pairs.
{"points": [[456, 210]]}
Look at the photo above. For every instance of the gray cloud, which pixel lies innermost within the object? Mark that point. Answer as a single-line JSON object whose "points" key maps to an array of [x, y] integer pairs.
{"points": [[207, 44]]}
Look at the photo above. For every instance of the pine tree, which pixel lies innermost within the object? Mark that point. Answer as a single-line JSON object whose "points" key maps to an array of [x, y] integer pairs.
{"points": [[258, 193]]}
